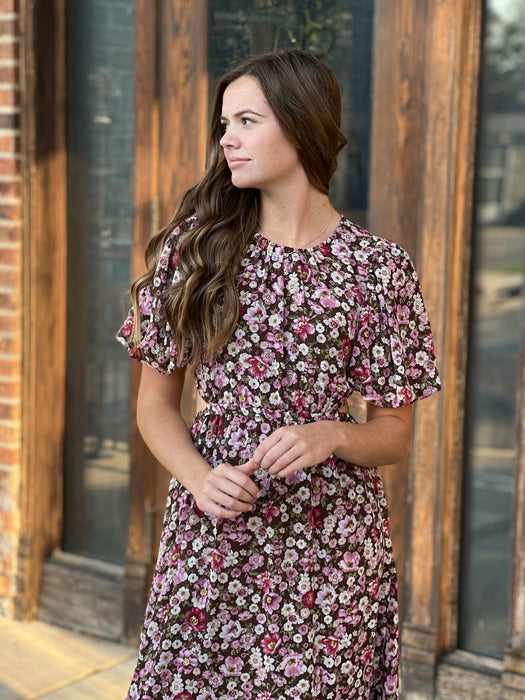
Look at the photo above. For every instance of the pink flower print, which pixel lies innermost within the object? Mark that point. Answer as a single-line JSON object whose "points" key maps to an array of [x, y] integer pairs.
{"points": [[270, 643], [232, 666], [257, 367], [216, 425], [269, 511], [293, 665], [403, 315], [308, 599], [346, 349], [271, 602], [255, 315], [186, 661], [315, 517], [217, 560], [265, 695], [331, 645], [407, 394], [175, 555], [325, 298], [195, 619], [304, 272], [183, 696], [201, 592], [264, 581], [350, 561], [366, 336], [320, 679], [298, 399], [363, 375], [391, 685], [302, 327]]}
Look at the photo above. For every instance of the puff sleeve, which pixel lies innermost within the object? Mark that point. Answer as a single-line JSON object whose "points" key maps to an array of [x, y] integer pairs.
{"points": [[392, 360], [156, 347]]}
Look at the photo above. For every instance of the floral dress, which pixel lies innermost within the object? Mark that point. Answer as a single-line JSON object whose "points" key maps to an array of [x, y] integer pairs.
{"points": [[296, 599]]}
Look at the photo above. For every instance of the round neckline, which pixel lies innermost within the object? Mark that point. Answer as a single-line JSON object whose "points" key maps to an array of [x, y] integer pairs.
{"points": [[267, 244]]}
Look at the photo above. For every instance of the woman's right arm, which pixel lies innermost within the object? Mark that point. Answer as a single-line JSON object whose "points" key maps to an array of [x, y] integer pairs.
{"points": [[224, 491]]}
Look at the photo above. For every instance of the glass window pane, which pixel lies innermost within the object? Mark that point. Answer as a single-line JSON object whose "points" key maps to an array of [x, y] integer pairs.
{"points": [[493, 394], [339, 32], [100, 125]]}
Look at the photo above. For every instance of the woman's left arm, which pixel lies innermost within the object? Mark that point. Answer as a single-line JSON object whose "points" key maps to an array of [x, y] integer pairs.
{"points": [[384, 439]]}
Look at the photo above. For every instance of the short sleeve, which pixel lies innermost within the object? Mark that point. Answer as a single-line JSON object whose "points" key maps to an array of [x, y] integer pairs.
{"points": [[156, 347], [392, 361]]}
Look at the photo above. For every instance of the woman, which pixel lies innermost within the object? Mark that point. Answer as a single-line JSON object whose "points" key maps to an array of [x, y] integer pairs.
{"points": [[275, 577]]}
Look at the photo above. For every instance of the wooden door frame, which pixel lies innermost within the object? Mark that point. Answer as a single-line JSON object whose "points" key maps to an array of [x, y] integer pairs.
{"points": [[425, 116], [170, 152], [44, 290]]}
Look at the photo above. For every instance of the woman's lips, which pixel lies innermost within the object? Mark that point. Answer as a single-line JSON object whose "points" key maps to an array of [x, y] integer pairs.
{"points": [[236, 162]]}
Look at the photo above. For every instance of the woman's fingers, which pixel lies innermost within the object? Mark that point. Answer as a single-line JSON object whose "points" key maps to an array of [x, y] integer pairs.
{"points": [[227, 491]]}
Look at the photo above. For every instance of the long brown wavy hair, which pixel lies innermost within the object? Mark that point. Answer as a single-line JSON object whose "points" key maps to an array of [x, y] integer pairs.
{"points": [[203, 307]]}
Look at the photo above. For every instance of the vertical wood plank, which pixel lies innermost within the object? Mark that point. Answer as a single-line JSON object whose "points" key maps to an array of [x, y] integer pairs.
{"points": [[139, 549], [394, 182], [44, 292], [423, 148], [183, 121], [457, 261]]}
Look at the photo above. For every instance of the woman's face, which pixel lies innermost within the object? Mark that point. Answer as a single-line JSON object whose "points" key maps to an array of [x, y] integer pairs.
{"points": [[256, 149]]}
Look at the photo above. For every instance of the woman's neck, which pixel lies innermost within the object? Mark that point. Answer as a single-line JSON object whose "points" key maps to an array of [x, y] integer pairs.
{"points": [[299, 220]]}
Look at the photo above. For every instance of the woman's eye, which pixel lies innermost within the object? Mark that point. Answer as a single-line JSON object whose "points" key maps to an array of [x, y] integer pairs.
{"points": [[224, 127], [247, 120]]}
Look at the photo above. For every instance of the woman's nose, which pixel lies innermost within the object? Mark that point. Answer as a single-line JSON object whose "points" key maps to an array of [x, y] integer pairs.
{"points": [[229, 138]]}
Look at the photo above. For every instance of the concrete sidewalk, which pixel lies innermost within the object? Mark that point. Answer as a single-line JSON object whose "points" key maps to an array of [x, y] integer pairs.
{"points": [[42, 661]]}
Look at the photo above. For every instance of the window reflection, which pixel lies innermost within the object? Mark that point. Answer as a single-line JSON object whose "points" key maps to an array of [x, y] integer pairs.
{"points": [[100, 128], [493, 394], [340, 33]]}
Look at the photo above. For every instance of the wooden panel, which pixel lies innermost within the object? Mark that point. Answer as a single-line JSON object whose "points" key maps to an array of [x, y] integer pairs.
{"points": [[44, 183], [82, 594], [466, 676], [170, 152], [423, 146], [464, 119], [394, 182], [138, 551], [183, 121]]}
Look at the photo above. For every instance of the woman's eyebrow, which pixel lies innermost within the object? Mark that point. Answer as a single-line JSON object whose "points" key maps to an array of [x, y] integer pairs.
{"points": [[242, 112]]}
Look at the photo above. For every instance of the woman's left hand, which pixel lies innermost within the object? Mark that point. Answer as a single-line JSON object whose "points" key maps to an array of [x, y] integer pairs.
{"points": [[294, 447]]}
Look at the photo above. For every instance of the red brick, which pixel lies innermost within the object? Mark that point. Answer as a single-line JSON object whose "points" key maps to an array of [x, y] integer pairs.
{"points": [[9, 6], [10, 74], [10, 431], [9, 166], [10, 412], [10, 369], [9, 143], [11, 212], [9, 97], [10, 390], [9, 27], [10, 255], [10, 49], [10, 188], [10, 456], [10, 300], [10, 343], [9, 277]]}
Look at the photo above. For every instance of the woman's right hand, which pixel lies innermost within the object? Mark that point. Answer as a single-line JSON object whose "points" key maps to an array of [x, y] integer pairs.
{"points": [[225, 491]]}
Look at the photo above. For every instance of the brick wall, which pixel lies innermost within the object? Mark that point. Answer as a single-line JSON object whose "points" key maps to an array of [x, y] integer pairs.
{"points": [[10, 300]]}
